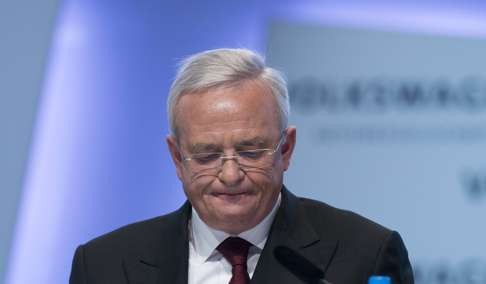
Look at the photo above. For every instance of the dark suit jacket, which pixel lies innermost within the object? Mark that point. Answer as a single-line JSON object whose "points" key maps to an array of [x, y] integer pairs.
{"points": [[348, 247]]}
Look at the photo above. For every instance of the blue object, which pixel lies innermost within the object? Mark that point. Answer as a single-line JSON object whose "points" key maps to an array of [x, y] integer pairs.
{"points": [[379, 280]]}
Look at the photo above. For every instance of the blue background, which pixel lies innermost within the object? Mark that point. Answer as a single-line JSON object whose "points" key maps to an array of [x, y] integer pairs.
{"points": [[97, 156]]}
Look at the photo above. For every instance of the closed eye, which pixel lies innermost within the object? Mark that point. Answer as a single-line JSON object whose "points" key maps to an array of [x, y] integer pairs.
{"points": [[252, 154], [205, 158]]}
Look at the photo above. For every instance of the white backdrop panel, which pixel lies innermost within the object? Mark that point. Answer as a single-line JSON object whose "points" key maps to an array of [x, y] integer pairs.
{"points": [[393, 126]]}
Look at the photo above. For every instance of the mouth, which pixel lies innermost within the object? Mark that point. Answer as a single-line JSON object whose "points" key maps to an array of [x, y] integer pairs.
{"points": [[230, 193], [231, 197]]}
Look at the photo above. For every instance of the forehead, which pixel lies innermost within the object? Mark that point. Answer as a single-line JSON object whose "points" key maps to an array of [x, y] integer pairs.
{"points": [[247, 110]]}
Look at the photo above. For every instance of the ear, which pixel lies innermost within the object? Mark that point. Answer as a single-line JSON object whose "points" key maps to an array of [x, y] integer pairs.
{"points": [[289, 145], [175, 154]]}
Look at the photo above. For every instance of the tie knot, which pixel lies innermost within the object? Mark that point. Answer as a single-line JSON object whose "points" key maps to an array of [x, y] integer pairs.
{"points": [[235, 250]]}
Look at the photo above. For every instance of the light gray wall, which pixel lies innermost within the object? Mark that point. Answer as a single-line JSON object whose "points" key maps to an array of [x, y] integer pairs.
{"points": [[25, 35]]}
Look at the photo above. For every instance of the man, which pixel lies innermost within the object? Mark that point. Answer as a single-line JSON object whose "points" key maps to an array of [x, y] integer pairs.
{"points": [[231, 143]]}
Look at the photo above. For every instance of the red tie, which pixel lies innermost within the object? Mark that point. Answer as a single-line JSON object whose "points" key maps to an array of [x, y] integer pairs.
{"points": [[235, 250]]}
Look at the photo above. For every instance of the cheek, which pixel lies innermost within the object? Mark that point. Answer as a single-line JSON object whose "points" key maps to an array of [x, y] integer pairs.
{"points": [[264, 183], [196, 188]]}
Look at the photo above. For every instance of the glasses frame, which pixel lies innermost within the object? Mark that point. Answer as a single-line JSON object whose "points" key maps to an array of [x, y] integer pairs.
{"points": [[223, 157]]}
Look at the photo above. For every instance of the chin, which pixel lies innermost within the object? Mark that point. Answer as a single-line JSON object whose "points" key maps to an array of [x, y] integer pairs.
{"points": [[234, 216], [237, 226], [235, 211]]}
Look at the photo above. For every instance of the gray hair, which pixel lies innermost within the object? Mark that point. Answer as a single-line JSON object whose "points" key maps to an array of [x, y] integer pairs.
{"points": [[226, 67]]}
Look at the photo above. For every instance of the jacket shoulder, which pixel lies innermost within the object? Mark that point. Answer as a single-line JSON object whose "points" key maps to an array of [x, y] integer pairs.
{"points": [[364, 247], [106, 259], [137, 237], [342, 224]]}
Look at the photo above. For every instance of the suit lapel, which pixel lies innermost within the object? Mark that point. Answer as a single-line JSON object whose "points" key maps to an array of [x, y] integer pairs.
{"points": [[164, 260], [292, 229]]}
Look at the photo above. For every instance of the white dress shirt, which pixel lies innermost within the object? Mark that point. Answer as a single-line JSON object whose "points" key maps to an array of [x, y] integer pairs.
{"points": [[206, 264]]}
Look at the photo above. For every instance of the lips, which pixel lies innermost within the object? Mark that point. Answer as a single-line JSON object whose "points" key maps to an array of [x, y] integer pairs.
{"points": [[232, 197], [230, 193]]}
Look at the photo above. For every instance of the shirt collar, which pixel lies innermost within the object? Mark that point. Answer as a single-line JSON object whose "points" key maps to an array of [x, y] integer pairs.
{"points": [[205, 239]]}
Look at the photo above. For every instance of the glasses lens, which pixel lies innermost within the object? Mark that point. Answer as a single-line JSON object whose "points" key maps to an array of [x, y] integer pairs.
{"points": [[206, 159], [209, 162], [256, 158]]}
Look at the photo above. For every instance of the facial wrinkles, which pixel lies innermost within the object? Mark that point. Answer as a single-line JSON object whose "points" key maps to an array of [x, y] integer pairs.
{"points": [[247, 169], [203, 187], [229, 139], [226, 130], [266, 171], [223, 106], [202, 174]]}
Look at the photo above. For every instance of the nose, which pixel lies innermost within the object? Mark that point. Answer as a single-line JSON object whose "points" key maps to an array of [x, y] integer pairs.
{"points": [[231, 173]]}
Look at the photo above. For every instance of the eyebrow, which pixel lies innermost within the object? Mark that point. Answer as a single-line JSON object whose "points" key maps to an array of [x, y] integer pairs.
{"points": [[256, 141], [208, 147], [203, 147]]}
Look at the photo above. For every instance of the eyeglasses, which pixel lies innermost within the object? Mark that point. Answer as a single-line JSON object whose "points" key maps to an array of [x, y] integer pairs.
{"points": [[211, 163]]}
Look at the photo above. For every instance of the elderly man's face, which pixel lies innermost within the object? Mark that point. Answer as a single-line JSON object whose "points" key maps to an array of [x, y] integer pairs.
{"points": [[245, 117]]}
